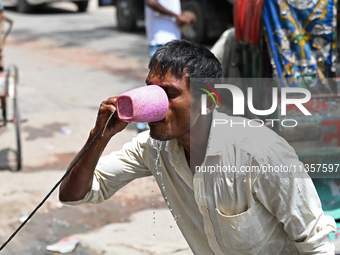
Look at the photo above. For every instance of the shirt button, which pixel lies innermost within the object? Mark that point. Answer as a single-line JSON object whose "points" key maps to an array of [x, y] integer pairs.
{"points": [[203, 208], [210, 235]]}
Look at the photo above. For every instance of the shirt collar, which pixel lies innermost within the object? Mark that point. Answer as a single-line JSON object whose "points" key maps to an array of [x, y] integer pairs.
{"points": [[215, 146], [178, 161]]}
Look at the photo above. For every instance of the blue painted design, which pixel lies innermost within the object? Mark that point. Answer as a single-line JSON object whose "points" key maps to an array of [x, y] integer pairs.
{"points": [[301, 36]]}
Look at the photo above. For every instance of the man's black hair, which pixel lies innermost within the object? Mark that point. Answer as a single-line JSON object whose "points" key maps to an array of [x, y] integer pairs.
{"points": [[183, 57]]}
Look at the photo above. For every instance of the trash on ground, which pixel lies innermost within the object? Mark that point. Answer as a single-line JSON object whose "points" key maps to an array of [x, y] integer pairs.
{"points": [[65, 245], [23, 216], [66, 131]]}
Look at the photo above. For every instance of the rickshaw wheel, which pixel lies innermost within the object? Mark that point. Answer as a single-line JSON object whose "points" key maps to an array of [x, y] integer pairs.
{"points": [[12, 81]]}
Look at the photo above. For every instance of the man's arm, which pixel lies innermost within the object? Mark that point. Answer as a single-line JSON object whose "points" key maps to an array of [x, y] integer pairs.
{"points": [[292, 198], [181, 19], [79, 181]]}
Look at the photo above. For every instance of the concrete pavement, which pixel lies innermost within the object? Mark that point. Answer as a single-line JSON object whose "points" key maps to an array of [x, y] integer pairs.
{"points": [[147, 232]]}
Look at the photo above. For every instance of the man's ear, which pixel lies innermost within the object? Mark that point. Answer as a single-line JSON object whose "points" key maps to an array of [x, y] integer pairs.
{"points": [[211, 102]]}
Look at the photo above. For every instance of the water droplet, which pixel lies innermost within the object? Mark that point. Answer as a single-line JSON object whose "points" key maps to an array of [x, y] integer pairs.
{"points": [[156, 144]]}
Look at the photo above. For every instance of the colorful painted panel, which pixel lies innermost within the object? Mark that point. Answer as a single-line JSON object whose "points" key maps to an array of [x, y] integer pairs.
{"points": [[302, 39]]}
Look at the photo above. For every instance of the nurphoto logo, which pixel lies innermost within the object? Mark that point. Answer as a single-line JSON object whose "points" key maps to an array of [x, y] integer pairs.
{"points": [[239, 102]]}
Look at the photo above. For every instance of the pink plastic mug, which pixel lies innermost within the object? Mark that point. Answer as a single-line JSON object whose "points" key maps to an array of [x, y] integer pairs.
{"points": [[144, 104]]}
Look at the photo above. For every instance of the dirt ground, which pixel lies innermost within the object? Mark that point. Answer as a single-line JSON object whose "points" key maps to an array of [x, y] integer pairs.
{"points": [[22, 191]]}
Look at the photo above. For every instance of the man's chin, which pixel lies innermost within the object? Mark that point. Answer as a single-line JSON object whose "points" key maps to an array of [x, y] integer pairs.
{"points": [[155, 137], [158, 137]]}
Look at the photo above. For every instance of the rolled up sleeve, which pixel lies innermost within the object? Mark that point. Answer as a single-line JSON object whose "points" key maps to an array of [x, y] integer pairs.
{"points": [[116, 170]]}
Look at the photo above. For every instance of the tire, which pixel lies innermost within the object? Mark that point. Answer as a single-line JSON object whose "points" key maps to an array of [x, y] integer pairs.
{"points": [[24, 7], [82, 5], [126, 15], [198, 33]]}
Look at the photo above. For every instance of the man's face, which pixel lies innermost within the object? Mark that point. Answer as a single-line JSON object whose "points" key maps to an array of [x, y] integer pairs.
{"points": [[176, 124]]}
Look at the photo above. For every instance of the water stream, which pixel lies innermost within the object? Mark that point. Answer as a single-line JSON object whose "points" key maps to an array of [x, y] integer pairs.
{"points": [[157, 145]]}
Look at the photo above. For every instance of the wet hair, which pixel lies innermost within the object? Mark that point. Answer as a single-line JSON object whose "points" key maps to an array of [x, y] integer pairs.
{"points": [[186, 58]]}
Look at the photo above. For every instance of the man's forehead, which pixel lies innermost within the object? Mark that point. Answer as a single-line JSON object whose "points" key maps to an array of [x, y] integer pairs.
{"points": [[158, 73], [169, 80]]}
